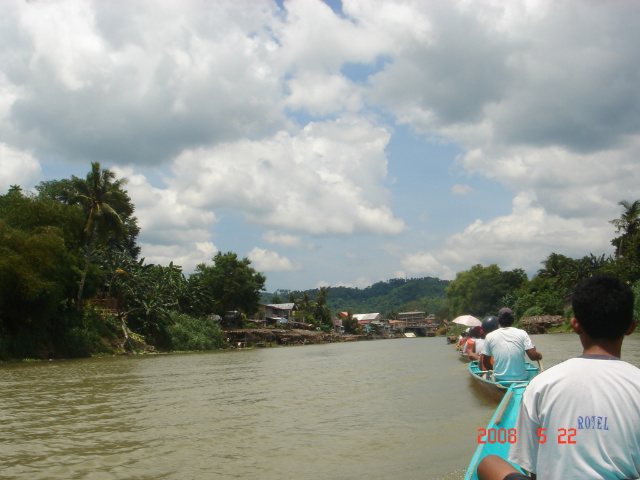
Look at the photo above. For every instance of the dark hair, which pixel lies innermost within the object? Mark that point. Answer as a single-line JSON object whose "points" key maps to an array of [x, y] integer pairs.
{"points": [[604, 306], [505, 317]]}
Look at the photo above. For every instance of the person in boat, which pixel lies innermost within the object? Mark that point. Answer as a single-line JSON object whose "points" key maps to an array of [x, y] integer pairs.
{"points": [[463, 339], [508, 345], [471, 339], [475, 335], [489, 324], [581, 418]]}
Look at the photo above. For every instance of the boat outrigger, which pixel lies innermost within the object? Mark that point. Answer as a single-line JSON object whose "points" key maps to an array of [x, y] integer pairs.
{"points": [[497, 438]]}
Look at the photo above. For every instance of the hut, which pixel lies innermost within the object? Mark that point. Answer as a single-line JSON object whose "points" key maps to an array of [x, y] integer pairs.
{"points": [[541, 323]]}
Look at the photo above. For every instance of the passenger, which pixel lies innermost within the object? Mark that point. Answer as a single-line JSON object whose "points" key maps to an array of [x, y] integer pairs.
{"points": [[462, 340], [474, 336], [489, 324], [587, 408], [474, 352], [508, 345]]}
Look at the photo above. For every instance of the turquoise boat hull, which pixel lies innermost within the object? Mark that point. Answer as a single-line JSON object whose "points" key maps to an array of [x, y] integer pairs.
{"points": [[497, 389], [500, 433]]}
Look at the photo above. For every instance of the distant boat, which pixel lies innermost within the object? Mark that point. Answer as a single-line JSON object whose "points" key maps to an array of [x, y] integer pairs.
{"points": [[497, 388], [410, 335], [497, 438]]}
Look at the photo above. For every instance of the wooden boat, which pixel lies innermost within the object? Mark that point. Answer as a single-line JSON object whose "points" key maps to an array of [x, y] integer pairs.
{"points": [[497, 438], [464, 357], [497, 389]]}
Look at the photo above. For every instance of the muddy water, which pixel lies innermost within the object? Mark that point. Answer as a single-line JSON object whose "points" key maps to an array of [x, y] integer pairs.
{"points": [[390, 409]]}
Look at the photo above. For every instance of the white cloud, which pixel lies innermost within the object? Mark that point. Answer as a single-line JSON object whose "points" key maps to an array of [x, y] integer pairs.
{"points": [[285, 240], [17, 168], [425, 264], [138, 83], [524, 238], [270, 261], [186, 255], [459, 189], [360, 282], [324, 180], [168, 225]]}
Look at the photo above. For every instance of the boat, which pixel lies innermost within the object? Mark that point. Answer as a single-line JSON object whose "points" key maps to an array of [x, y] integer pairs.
{"points": [[497, 388], [464, 357], [497, 438]]}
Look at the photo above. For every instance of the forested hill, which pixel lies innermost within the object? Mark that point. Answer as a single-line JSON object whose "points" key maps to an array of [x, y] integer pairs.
{"points": [[393, 296]]}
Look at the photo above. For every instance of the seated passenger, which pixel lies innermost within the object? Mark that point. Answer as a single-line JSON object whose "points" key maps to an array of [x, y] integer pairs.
{"points": [[508, 345]]}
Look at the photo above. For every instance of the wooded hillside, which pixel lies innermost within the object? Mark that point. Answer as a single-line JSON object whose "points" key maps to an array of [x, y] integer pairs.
{"points": [[393, 296]]}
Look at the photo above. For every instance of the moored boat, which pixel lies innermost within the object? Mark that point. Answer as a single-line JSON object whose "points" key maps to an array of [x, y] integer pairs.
{"points": [[497, 388], [500, 434]]}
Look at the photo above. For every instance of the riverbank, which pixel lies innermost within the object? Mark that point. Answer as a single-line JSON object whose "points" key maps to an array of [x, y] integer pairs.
{"points": [[271, 337]]}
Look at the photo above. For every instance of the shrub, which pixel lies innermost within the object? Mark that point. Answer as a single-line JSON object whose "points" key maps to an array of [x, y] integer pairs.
{"points": [[191, 333]]}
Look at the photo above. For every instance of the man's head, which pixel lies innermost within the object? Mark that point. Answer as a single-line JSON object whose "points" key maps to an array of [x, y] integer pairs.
{"points": [[489, 324], [475, 332], [603, 305], [505, 317]]}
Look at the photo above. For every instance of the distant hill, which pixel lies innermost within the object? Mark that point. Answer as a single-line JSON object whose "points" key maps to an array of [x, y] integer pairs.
{"points": [[395, 295]]}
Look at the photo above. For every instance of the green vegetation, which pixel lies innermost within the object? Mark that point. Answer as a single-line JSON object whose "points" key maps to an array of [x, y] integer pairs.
{"points": [[389, 298], [72, 285]]}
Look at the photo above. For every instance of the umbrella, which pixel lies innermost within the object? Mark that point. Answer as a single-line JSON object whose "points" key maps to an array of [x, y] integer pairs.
{"points": [[468, 320]]}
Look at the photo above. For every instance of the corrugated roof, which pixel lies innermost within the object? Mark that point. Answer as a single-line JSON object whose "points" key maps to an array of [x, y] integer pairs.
{"points": [[366, 316], [281, 306]]}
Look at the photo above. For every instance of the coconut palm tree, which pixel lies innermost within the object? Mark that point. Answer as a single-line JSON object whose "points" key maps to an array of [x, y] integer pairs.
{"points": [[628, 224], [105, 205]]}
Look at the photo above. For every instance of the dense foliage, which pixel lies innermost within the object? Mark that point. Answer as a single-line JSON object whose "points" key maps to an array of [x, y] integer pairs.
{"points": [[71, 284], [230, 283]]}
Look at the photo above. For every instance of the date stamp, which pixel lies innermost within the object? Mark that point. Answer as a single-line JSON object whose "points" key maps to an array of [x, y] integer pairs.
{"points": [[504, 435]]}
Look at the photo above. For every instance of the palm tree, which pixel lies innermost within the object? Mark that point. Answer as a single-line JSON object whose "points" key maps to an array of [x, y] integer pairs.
{"points": [[104, 204], [628, 223]]}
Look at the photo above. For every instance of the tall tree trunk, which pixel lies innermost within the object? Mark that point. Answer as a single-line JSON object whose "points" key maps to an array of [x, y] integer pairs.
{"points": [[84, 272]]}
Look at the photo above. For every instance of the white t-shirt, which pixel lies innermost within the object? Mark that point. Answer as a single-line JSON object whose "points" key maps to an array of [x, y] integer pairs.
{"points": [[479, 345], [507, 346], [590, 411]]}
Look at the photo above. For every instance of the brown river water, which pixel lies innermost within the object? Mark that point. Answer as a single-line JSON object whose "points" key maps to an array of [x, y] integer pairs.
{"points": [[390, 409]]}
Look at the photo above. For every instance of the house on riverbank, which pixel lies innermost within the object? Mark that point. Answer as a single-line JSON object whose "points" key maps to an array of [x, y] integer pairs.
{"points": [[278, 313]]}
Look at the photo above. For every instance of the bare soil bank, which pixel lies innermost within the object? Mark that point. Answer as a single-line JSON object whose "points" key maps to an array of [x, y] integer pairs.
{"points": [[265, 337]]}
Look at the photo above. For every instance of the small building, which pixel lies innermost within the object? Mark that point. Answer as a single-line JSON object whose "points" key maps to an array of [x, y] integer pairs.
{"points": [[397, 325], [413, 317], [367, 320], [278, 313]]}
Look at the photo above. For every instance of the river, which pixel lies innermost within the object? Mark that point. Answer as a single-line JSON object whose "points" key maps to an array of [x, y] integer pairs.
{"points": [[390, 409]]}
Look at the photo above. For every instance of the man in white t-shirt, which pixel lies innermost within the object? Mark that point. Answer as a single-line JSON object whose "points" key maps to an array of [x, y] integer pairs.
{"points": [[581, 419], [508, 345]]}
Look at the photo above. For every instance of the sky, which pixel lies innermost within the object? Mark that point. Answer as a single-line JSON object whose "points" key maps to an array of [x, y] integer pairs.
{"points": [[335, 143]]}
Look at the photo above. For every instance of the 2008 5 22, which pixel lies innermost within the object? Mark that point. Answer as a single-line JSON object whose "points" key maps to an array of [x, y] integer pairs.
{"points": [[503, 435]]}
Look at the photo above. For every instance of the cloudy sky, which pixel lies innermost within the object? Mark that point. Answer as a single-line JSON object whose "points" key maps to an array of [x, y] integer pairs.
{"points": [[335, 143]]}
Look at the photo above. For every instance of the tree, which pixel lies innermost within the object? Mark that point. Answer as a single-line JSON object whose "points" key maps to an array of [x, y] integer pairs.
{"points": [[36, 267], [627, 244], [628, 224], [231, 284], [480, 290], [104, 204]]}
